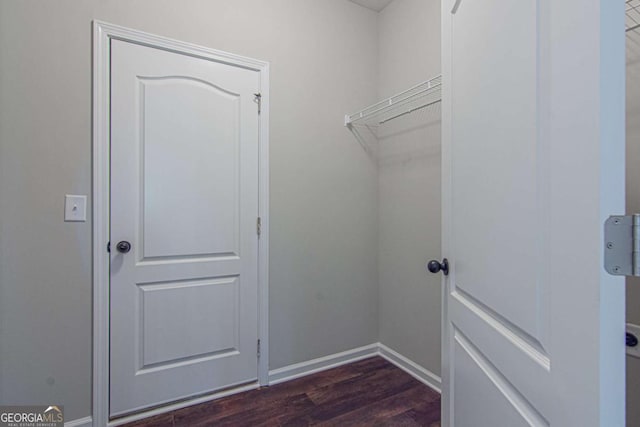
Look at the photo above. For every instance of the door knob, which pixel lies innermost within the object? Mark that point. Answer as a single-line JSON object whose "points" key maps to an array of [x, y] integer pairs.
{"points": [[632, 340], [123, 247], [435, 266]]}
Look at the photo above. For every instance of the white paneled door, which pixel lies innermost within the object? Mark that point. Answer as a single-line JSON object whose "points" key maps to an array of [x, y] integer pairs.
{"points": [[184, 242], [533, 151]]}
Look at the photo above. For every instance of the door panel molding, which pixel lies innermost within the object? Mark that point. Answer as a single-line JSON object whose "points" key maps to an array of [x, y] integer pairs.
{"points": [[519, 338], [155, 240], [160, 347], [508, 391], [103, 34]]}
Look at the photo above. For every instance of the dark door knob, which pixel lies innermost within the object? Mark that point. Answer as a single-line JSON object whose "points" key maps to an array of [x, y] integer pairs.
{"points": [[436, 267], [123, 247], [632, 340]]}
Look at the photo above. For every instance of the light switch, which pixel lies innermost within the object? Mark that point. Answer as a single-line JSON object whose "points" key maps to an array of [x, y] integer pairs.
{"points": [[75, 208]]}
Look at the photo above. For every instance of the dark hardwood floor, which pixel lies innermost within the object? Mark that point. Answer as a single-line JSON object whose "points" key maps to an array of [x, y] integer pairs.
{"points": [[371, 392]]}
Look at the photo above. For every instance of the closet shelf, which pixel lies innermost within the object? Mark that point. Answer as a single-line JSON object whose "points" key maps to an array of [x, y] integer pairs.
{"points": [[415, 98], [632, 18]]}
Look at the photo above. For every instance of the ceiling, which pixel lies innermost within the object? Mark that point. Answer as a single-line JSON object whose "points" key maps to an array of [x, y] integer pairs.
{"points": [[376, 5]]}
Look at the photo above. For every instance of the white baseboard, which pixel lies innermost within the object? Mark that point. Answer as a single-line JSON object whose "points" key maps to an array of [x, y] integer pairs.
{"points": [[412, 368], [302, 369], [80, 422]]}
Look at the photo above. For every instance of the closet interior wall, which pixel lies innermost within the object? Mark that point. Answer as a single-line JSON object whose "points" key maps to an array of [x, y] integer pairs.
{"points": [[633, 206], [409, 166]]}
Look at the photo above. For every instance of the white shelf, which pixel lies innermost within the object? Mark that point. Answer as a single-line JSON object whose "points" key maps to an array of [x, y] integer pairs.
{"points": [[415, 98], [632, 18]]}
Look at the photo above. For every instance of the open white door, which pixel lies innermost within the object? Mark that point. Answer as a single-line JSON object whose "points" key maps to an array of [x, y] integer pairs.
{"points": [[533, 160]]}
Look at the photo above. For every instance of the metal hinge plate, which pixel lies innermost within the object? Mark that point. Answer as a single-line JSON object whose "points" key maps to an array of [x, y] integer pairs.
{"points": [[622, 245], [259, 226], [258, 348]]}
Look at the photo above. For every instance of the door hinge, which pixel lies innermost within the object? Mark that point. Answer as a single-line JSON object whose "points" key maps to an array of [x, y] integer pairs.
{"points": [[109, 247], [258, 348], [259, 226], [258, 100], [622, 245]]}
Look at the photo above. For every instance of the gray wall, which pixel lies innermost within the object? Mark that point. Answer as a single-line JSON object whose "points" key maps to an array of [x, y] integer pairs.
{"points": [[633, 206], [324, 280], [409, 185]]}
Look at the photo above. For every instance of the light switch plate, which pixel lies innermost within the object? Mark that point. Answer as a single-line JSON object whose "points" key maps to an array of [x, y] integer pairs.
{"points": [[75, 208], [635, 330]]}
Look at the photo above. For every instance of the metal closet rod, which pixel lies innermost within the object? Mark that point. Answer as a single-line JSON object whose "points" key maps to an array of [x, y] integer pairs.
{"points": [[407, 97], [409, 111]]}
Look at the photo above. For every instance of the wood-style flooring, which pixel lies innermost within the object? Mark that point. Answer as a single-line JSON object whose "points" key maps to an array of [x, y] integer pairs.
{"points": [[371, 392]]}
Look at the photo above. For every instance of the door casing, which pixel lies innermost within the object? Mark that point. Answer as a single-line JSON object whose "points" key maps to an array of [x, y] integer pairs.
{"points": [[103, 33]]}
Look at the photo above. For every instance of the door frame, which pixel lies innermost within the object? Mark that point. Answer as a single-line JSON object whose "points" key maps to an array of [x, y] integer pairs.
{"points": [[103, 33]]}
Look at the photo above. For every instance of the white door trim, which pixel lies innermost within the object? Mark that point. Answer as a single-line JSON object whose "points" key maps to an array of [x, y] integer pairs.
{"points": [[103, 33]]}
